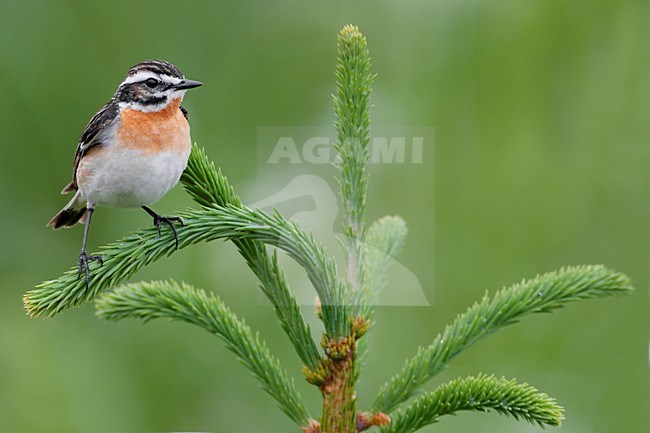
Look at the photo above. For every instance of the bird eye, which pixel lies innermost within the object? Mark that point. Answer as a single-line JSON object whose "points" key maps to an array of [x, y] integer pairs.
{"points": [[151, 82]]}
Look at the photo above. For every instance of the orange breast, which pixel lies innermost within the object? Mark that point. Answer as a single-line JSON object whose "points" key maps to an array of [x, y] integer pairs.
{"points": [[156, 131]]}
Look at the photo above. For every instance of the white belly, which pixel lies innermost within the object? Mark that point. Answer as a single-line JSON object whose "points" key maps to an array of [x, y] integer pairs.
{"points": [[121, 177]]}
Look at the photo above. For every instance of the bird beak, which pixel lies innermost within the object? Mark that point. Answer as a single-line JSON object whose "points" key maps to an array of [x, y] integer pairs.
{"points": [[187, 84]]}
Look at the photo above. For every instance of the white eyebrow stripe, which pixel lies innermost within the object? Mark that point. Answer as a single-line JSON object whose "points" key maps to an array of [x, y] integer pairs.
{"points": [[171, 80], [142, 76]]}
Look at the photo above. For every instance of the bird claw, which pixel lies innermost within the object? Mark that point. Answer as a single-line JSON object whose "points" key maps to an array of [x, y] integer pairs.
{"points": [[158, 220], [84, 258]]}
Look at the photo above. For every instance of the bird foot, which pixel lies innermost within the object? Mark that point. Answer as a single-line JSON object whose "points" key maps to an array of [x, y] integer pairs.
{"points": [[159, 220], [84, 259]]}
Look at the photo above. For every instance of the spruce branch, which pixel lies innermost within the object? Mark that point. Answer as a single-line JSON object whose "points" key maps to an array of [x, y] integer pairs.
{"points": [[208, 186], [478, 393], [541, 294], [168, 299], [351, 107], [121, 260], [144, 246], [352, 110]]}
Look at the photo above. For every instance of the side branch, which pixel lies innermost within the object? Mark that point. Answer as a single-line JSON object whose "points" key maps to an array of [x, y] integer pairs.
{"points": [[541, 294], [124, 258], [480, 393]]}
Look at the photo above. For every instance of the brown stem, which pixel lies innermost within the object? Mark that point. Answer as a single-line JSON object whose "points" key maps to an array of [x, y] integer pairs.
{"points": [[339, 396]]}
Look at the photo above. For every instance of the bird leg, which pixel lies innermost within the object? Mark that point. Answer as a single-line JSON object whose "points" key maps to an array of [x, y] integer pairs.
{"points": [[84, 258]]}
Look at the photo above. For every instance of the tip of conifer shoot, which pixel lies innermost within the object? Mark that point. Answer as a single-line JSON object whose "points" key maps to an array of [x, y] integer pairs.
{"points": [[350, 33]]}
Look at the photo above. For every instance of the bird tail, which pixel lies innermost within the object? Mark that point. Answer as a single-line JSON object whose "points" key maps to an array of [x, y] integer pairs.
{"points": [[71, 214]]}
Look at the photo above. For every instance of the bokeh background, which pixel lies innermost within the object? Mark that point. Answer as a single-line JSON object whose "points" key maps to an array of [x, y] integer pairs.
{"points": [[540, 111]]}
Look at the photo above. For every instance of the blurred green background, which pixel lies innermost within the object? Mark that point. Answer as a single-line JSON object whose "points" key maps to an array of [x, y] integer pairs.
{"points": [[540, 159]]}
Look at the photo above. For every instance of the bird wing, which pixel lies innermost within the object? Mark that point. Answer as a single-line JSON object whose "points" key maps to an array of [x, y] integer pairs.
{"points": [[92, 137]]}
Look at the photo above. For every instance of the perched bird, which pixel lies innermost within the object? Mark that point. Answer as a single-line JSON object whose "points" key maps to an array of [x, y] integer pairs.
{"points": [[132, 152]]}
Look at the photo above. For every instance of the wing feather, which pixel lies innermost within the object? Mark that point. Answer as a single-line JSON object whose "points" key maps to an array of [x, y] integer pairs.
{"points": [[91, 136]]}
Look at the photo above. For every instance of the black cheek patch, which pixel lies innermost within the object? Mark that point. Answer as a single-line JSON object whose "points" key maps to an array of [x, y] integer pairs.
{"points": [[152, 100]]}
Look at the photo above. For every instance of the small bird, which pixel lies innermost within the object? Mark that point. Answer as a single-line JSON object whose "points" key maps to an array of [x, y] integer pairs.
{"points": [[132, 152]]}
